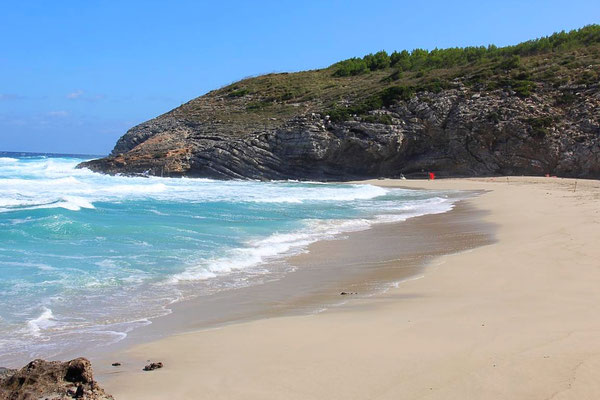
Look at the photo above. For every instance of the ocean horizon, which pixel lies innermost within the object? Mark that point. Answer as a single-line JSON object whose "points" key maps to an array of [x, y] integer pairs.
{"points": [[22, 154]]}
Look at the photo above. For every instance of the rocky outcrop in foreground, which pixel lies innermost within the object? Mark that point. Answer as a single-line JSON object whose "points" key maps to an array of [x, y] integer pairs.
{"points": [[51, 380]]}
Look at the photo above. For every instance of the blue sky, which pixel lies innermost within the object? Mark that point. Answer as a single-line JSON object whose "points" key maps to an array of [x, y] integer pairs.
{"points": [[75, 75]]}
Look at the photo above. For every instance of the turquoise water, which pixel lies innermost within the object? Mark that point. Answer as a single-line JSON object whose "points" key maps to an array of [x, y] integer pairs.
{"points": [[89, 257]]}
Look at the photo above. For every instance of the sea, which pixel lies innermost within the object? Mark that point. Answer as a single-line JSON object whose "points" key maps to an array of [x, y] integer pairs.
{"points": [[86, 258]]}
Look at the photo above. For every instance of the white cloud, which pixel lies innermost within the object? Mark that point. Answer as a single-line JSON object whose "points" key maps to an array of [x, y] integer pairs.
{"points": [[58, 114], [83, 96], [75, 95]]}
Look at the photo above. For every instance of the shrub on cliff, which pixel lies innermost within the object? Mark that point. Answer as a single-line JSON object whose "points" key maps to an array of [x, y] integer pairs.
{"points": [[351, 67], [379, 60], [385, 98], [508, 57], [509, 63]]}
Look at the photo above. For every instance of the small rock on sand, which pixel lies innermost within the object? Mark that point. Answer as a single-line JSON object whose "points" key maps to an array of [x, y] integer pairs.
{"points": [[153, 366]]}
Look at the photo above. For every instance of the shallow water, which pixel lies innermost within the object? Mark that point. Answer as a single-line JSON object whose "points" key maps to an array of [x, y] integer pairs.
{"points": [[86, 258]]}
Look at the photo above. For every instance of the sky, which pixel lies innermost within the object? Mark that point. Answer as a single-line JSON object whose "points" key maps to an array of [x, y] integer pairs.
{"points": [[75, 75]]}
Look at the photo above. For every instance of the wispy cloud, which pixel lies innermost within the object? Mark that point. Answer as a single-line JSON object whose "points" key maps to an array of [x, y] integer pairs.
{"points": [[82, 95], [75, 95], [58, 114], [10, 96]]}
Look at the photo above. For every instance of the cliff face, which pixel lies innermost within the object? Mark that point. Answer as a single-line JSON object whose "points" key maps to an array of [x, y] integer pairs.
{"points": [[457, 132], [533, 109]]}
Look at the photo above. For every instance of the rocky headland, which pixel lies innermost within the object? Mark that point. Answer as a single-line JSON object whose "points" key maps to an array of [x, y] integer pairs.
{"points": [[529, 109]]}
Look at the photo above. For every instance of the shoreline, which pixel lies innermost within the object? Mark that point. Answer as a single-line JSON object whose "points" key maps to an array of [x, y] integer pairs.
{"points": [[514, 319], [365, 263], [305, 282]]}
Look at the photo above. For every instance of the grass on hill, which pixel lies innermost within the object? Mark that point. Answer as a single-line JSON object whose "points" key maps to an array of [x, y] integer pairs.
{"points": [[359, 85]]}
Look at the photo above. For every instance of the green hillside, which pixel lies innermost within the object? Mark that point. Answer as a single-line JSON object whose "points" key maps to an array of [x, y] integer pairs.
{"points": [[358, 85]]}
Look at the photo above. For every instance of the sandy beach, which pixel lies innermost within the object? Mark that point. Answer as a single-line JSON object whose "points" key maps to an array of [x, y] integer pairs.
{"points": [[512, 319]]}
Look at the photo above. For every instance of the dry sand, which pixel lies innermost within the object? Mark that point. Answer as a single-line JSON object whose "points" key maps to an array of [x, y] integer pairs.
{"points": [[517, 319]]}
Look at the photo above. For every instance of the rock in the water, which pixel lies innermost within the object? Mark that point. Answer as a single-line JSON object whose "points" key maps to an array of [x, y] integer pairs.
{"points": [[53, 380], [153, 366]]}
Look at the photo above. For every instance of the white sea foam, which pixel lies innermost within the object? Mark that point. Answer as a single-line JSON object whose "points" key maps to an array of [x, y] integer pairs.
{"points": [[268, 249], [18, 221], [54, 182], [40, 266], [44, 321], [285, 244], [156, 212], [106, 263], [415, 208], [73, 203]]}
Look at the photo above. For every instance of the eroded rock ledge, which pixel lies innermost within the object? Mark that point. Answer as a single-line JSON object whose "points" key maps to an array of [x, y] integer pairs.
{"points": [[52, 380]]}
